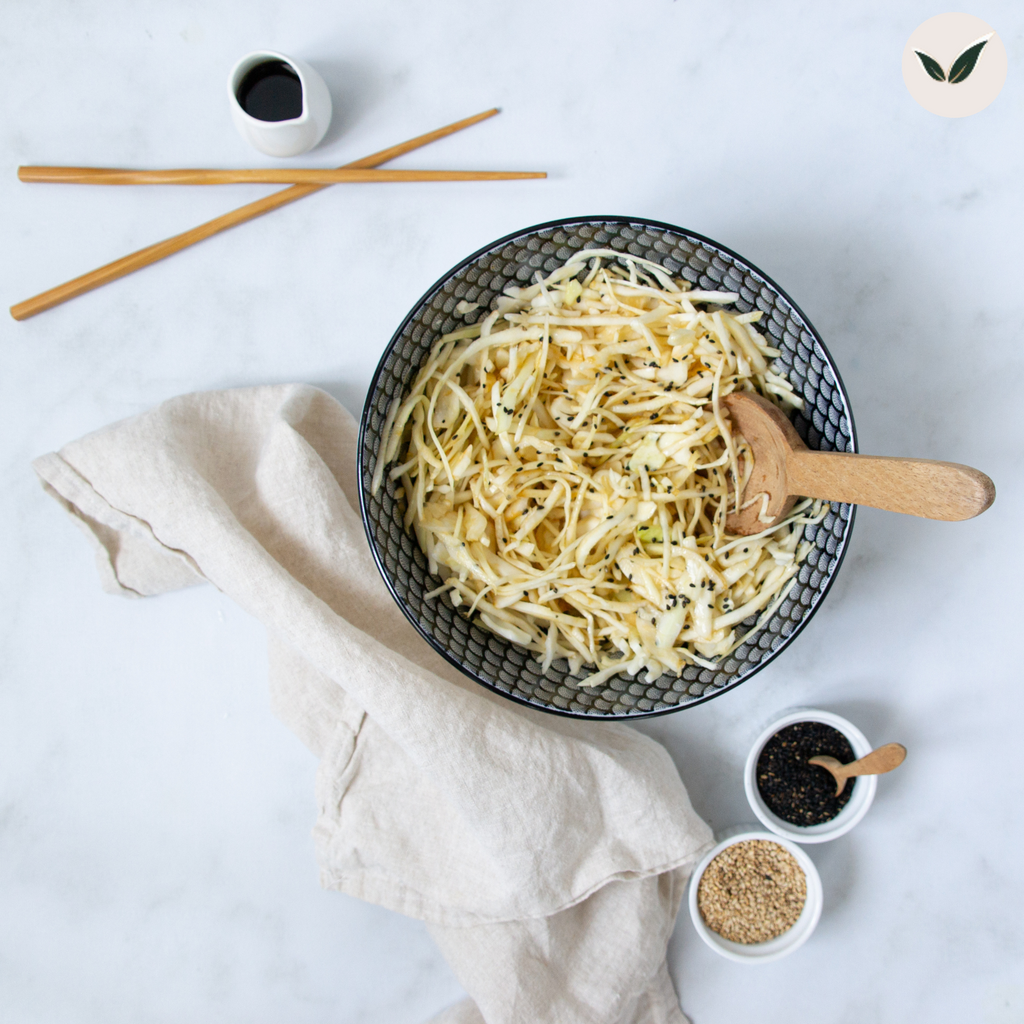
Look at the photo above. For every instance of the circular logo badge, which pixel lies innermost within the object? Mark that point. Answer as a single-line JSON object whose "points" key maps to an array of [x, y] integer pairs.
{"points": [[954, 65]]}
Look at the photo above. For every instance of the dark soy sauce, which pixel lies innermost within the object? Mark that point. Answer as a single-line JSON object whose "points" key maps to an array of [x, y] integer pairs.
{"points": [[271, 91]]}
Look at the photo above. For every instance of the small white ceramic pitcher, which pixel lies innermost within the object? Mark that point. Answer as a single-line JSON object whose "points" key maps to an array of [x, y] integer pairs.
{"points": [[282, 138]]}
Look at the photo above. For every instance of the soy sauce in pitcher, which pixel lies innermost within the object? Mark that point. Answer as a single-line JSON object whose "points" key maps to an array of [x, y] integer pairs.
{"points": [[271, 91]]}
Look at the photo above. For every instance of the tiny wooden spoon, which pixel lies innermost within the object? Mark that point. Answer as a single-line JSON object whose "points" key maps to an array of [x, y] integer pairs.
{"points": [[878, 762], [785, 468]]}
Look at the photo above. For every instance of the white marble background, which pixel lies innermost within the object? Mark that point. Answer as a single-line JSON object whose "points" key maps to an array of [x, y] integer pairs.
{"points": [[155, 859]]}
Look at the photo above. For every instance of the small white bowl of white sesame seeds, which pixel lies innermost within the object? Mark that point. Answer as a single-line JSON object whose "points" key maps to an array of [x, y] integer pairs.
{"points": [[755, 897]]}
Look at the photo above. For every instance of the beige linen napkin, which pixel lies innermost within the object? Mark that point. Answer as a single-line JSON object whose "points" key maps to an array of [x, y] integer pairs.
{"points": [[548, 855]]}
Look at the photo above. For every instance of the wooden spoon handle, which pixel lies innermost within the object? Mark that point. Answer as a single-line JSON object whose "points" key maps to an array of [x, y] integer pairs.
{"points": [[878, 762], [917, 487]]}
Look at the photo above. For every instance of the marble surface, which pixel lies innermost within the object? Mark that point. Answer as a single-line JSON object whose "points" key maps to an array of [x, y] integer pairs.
{"points": [[155, 859]]}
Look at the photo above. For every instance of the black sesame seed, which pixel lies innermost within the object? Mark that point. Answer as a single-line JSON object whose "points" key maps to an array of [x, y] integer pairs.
{"points": [[798, 792]]}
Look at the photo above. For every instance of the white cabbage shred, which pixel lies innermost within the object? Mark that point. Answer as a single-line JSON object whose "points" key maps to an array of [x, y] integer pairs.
{"points": [[569, 469]]}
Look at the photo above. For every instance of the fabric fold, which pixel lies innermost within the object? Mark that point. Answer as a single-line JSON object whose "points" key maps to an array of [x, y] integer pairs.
{"points": [[504, 828]]}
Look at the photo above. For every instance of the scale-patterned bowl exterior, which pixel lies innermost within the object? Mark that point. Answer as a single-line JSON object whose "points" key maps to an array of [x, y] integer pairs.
{"points": [[826, 423]]}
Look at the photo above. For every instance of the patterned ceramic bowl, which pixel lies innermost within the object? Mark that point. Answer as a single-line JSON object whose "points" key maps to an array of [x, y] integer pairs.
{"points": [[825, 423]]}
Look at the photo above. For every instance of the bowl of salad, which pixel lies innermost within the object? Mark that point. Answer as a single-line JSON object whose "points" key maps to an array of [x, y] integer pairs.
{"points": [[546, 468]]}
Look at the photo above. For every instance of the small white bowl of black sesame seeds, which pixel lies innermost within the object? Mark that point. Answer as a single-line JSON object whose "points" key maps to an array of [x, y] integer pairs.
{"points": [[798, 800], [755, 897]]}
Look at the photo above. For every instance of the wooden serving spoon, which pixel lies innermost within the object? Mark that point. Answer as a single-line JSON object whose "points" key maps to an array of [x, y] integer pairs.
{"points": [[878, 762], [785, 468]]}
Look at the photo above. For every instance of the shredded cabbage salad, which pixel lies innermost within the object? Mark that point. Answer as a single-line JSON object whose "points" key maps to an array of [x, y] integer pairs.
{"points": [[569, 469]]}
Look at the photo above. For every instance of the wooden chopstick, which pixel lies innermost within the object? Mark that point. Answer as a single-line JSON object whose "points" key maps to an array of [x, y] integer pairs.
{"points": [[261, 175], [153, 253]]}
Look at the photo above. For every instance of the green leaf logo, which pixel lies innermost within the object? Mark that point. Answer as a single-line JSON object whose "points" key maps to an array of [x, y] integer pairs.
{"points": [[964, 64], [932, 66], [944, 52], [960, 68]]}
